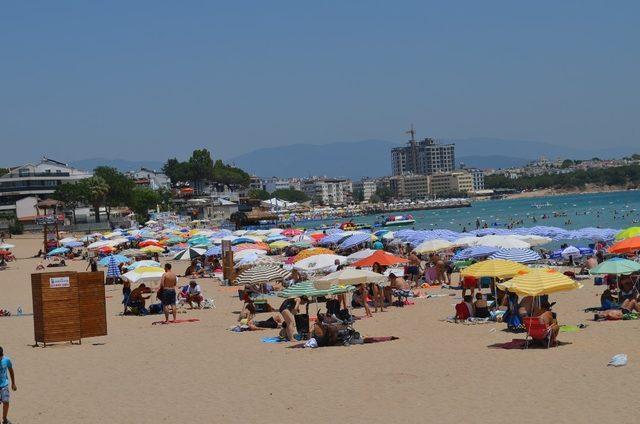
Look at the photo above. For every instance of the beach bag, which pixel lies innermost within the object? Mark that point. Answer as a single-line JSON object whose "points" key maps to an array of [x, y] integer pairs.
{"points": [[156, 308]]}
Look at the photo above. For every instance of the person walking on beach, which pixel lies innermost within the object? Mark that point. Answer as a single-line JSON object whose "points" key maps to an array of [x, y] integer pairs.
{"points": [[6, 368], [167, 292]]}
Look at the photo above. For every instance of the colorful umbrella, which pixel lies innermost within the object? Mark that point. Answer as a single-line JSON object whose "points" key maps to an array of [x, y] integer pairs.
{"points": [[498, 268], [617, 266], [626, 246], [312, 252], [352, 276], [308, 288], [189, 254], [539, 281], [262, 274], [380, 257]]}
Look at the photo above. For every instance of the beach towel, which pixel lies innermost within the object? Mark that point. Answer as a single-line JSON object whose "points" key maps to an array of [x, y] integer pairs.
{"points": [[278, 339], [178, 321], [569, 329]]}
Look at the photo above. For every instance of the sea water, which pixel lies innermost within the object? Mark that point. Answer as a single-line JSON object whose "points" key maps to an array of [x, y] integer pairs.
{"points": [[605, 210]]}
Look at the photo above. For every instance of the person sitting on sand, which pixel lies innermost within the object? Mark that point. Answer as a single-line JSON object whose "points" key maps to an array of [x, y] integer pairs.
{"points": [[481, 307], [549, 319], [194, 294], [608, 300], [138, 298], [465, 308]]}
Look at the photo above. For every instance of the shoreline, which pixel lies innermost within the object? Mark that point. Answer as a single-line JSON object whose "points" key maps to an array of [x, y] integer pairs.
{"points": [[550, 192]]}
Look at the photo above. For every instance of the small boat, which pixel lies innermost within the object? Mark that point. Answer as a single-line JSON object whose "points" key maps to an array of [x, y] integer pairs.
{"points": [[398, 220], [354, 226]]}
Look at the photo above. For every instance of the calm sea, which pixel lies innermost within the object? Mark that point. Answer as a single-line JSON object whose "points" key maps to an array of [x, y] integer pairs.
{"points": [[605, 210]]}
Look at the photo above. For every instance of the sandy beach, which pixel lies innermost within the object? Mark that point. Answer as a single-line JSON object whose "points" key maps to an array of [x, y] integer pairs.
{"points": [[201, 372]]}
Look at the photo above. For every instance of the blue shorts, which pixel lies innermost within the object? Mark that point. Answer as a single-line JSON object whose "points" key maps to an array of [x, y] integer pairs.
{"points": [[4, 394], [413, 270], [168, 297]]}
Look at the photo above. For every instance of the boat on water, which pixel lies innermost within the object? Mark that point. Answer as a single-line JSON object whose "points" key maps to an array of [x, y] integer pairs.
{"points": [[398, 220], [354, 226]]}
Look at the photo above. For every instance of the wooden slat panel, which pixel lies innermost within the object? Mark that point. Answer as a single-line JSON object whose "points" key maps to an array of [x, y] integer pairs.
{"points": [[93, 313], [56, 310]]}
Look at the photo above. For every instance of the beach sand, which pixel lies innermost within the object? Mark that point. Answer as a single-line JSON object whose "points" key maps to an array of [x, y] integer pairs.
{"points": [[202, 373]]}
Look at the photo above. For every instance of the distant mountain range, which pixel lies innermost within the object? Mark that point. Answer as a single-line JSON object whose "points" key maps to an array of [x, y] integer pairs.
{"points": [[371, 158]]}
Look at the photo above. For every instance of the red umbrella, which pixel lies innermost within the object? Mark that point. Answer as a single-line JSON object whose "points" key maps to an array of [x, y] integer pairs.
{"points": [[290, 232], [106, 249], [381, 257], [149, 243], [5, 253]]}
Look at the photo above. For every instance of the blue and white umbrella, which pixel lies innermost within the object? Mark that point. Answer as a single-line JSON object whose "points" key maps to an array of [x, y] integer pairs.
{"points": [[58, 251], [138, 264], [117, 258], [522, 256], [355, 240], [214, 251], [474, 252], [112, 268], [73, 244]]}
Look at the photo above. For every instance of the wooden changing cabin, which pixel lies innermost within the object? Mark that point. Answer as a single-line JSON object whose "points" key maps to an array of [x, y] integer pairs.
{"points": [[68, 306]]}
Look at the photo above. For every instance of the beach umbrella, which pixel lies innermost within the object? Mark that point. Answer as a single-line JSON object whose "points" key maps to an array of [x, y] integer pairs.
{"points": [[214, 251], [62, 241], [58, 251], [617, 266], [516, 255], [144, 274], [302, 237], [319, 263], [131, 252], [308, 289], [248, 252], [474, 252], [7, 246], [255, 260], [290, 232], [534, 240], [87, 238], [139, 264], [496, 268], [73, 244], [98, 245], [189, 254], [539, 281], [360, 254], [112, 267], [628, 233], [243, 240], [355, 240], [353, 276], [571, 251], [312, 252], [262, 274], [302, 244], [503, 241], [434, 245], [280, 244], [466, 241], [380, 257], [117, 258], [152, 249], [625, 246]]}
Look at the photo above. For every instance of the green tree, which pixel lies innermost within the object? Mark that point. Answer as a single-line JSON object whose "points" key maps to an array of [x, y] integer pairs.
{"points": [[176, 171], [142, 200], [384, 193], [259, 194], [72, 195], [567, 163], [94, 191], [120, 187], [4, 171], [290, 195], [358, 195]]}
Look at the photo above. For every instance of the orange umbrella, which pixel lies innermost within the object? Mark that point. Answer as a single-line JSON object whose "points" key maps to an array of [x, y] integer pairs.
{"points": [[626, 246], [381, 257], [106, 249], [149, 243]]}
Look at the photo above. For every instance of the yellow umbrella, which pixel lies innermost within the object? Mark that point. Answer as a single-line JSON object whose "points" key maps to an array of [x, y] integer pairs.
{"points": [[539, 281], [497, 268], [152, 249], [280, 244], [312, 252], [628, 233]]}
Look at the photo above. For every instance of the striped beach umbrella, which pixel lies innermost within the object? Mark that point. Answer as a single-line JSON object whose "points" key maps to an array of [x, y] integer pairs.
{"points": [[536, 282], [262, 274], [309, 289], [189, 254], [144, 274], [522, 256], [112, 268]]}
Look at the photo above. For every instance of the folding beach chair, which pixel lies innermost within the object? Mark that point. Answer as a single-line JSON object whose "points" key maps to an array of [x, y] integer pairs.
{"points": [[537, 330]]}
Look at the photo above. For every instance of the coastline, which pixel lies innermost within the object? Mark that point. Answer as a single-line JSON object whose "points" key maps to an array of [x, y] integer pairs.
{"points": [[550, 192]]}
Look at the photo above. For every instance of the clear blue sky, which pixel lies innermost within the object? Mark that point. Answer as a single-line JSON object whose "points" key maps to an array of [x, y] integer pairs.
{"points": [[152, 79]]}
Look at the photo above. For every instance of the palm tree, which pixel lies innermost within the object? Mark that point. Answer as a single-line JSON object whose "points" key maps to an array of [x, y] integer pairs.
{"points": [[96, 189]]}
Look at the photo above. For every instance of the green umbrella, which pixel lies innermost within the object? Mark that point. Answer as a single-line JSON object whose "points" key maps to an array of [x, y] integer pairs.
{"points": [[308, 288], [616, 266]]}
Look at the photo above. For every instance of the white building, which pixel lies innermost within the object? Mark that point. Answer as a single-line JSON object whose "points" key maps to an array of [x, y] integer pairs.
{"points": [[328, 191], [478, 178], [35, 180], [152, 179], [368, 188], [274, 183]]}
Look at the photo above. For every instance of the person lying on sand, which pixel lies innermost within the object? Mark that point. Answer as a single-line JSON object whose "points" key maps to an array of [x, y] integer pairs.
{"points": [[248, 322]]}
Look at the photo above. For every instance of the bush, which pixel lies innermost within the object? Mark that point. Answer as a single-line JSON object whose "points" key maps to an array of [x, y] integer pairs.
{"points": [[16, 227]]}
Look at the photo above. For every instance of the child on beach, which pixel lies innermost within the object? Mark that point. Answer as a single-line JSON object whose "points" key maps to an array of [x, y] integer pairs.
{"points": [[6, 368]]}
